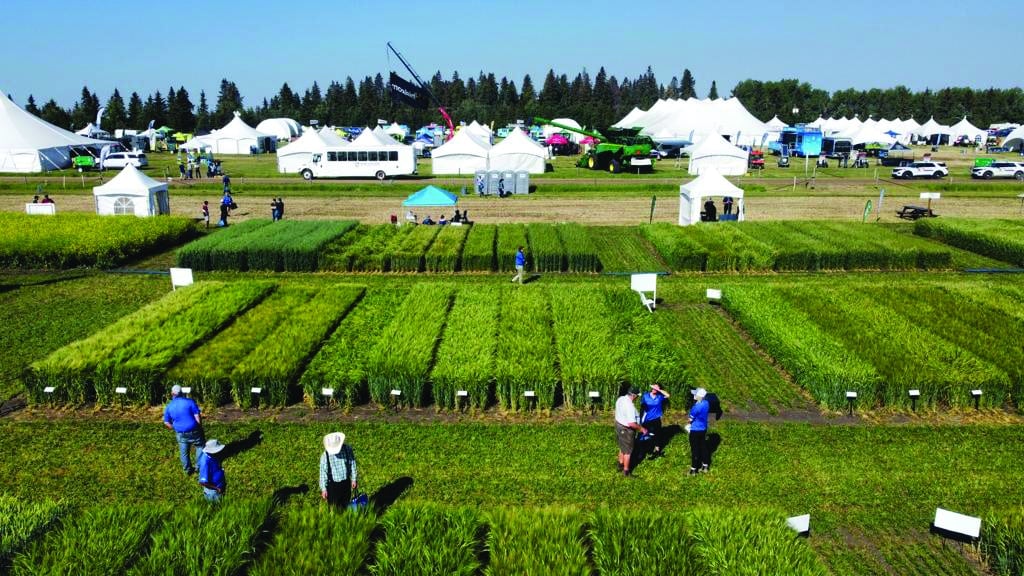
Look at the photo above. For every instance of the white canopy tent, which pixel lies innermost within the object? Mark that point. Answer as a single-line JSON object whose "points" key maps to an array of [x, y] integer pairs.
{"points": [[30, 144], [397, 131], [932, 128], [290, 158], [547, 130], [93, 131], [1015, 139], [463, 154], [965, 128], [714, 153], [707, 185], [518, 152], [776, 125], [236, 137], [871, 134], [481, 132], [693, 119], [331, 137], [131, 193], [281, 128]]}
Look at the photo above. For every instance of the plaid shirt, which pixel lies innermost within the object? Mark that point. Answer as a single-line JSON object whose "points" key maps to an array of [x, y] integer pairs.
{"points": [[339, 471]]}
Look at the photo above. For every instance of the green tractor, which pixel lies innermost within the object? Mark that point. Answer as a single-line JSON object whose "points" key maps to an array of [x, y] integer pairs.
{"points": [[617, 149]]}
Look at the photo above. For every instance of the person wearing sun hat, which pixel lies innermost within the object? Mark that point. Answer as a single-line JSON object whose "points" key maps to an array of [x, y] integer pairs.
{"points": [[698, 431], [211, 473], [338, 470], [626, 426]]}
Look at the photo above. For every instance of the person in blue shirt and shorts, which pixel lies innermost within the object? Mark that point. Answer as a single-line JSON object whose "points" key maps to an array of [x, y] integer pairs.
{"points": [[182, 415], [652, 405], [698, 431]]}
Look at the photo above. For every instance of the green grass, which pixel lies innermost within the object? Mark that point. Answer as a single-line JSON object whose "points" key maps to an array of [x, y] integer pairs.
{"points": [[622, 250]]}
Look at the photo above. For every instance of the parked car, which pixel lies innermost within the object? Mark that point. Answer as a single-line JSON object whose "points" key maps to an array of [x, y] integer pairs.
{"points": [[999, 170], [122, 159], [665, 150], [921, 170]]}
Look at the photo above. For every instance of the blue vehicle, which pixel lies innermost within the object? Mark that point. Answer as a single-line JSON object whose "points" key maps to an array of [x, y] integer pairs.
{"points": [[799, 140]]}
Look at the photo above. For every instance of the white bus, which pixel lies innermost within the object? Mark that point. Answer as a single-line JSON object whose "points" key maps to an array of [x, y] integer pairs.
{"points": [[346, 162]]}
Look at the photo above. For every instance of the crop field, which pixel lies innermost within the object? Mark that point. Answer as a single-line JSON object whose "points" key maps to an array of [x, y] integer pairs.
{"points": [[999, 239], [72, 240], [292, 245]]}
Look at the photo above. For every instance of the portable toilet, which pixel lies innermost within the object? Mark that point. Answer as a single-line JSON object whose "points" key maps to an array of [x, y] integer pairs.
{"points": [[493, 178], [522, 182], [509, 182]]}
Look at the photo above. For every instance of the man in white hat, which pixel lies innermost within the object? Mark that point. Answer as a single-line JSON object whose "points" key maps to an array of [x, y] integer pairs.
{"points": [[211, 474], [698, 429], [338, 470], [182, 415]]}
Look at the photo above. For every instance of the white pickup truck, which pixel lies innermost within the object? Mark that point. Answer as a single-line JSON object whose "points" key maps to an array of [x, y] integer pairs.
{"points": [[999, 170], [921, 170]]}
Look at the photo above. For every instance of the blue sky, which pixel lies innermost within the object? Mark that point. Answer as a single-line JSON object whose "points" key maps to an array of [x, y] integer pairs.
{"points": [[54, 48]]}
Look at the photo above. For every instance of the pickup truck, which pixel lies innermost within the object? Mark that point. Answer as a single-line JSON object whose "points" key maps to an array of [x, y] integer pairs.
{"points": [[999, 170], [921, 170]]}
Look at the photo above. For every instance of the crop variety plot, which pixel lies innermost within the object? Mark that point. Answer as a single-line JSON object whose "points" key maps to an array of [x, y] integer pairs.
{"points": [[623, 249], [525, 359], [585, 342], [465, 357]]}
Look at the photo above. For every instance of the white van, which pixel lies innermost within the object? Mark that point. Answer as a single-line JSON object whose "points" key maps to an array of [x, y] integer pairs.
{"points": [[347, 162]]}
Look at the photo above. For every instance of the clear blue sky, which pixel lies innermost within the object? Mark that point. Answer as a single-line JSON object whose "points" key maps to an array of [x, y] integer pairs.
{"points": [[54, 48]]}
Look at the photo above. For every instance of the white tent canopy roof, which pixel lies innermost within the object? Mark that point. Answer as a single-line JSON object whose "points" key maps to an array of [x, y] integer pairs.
{"points": [[715, 153], [282, 128], [965, 128], [709, 184], [1015, 139], [331, 137], [692, 119], [518, 152], [291, 157], [30, 144], [931, 127], [131, 192], [463, 154], [775, 124]]}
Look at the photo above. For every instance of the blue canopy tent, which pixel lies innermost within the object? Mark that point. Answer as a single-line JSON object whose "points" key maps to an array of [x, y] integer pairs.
{"points": [[429, 197]]}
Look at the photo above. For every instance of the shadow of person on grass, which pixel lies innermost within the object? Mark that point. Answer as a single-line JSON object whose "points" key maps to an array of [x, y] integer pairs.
{"points": [[282, 494], [531, 278], [714, 441], [236, 447], [389, 493]]}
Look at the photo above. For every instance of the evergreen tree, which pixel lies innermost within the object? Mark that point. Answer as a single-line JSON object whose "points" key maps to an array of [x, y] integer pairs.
{"points": [[54, 114], [115, 116], [688, 86], [367, 108], [203, 114], [713, 93], [333, 104], [601, 105], [312, 104], [456, 92], [550, 96], [229, 101], [85, 110], [179, 110], [672, 90], [135, 117], [30, 106], [350, 104], [155, 109], [528, 98]]}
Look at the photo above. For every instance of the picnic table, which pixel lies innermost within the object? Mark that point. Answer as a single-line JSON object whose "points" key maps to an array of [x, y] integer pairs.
{"points": [[910, 212]]}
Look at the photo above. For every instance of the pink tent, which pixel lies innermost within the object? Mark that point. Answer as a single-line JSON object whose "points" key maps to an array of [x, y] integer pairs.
{"points": [[556, 139]]}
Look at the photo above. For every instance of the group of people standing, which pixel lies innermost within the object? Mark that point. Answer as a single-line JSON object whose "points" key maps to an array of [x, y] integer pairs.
{"points": [[190, 165], [645, 426], [276, 209], [339, 470]]}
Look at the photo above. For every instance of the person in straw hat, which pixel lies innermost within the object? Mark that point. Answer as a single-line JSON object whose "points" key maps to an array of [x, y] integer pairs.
{"points": [[211, 474], [338, 470]]}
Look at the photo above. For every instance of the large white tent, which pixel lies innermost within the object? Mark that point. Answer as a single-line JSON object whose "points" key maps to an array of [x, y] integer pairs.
{"points": [[30, 144], [236, 137], [965, 128], [871, 133], [290, 158], [932, 128], [707, 185], [547, 130], [693, 119], [463, 154], [1015, 139], [331, 137], [717, 154], [481, 132], [131, 193], [518, 152], [280, 128]]}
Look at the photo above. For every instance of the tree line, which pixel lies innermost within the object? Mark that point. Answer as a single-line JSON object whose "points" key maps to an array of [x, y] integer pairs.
{"points": [[598, 101]]}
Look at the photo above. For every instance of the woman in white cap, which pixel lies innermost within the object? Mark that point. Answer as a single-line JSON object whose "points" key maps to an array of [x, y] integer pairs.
{"points": [[338, 470], [211, 474], [698, 429]]}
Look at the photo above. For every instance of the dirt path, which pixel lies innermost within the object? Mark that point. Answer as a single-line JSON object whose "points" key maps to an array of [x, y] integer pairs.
{"points": [[606, 211]]}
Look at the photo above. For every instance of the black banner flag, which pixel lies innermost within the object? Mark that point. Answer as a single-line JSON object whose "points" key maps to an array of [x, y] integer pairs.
{"points": [[408, 93]]}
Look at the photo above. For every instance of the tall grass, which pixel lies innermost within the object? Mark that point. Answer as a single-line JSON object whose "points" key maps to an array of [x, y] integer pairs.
{"points": [[21, 522], [640, 543], [585, 341], [1002, 541], [317, 540], [343, 362], [545, 248], [510, 238], [681, 252], [648, 356], [465, 357], [446, 251], [407, 255], [276, 363], [428, 539], [207, 369], [525, 358], [999, 239], [623, 249], [481, 243], [402, 356], [196, 255], [548, 541], [580, 250]]}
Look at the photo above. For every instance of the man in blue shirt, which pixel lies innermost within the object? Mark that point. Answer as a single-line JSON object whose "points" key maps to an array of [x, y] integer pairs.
{"points": [[698, 429], [520, 265], [652, 406], [211, 474], [182, 415]]}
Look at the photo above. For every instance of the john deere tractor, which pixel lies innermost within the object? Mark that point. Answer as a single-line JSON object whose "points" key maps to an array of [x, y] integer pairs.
{"points": [[617, 149]]}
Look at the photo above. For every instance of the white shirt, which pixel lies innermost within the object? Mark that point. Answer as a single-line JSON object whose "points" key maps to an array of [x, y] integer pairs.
{"points": [[625, 411]]}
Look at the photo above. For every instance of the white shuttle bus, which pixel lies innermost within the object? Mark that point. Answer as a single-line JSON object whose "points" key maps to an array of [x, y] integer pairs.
{"points": [[347, 162]]}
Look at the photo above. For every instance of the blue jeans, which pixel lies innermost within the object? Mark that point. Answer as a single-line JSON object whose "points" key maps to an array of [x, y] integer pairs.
{"points": [[193, 437], [211, 495]]}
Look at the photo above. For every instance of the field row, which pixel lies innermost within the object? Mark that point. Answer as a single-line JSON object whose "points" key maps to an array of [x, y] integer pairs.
{"points": [[261, 538], [883, 339], [999, 239], [288, 245]]}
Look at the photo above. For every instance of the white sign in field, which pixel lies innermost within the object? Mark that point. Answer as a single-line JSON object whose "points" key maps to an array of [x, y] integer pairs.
{"points": [[180, 277]]}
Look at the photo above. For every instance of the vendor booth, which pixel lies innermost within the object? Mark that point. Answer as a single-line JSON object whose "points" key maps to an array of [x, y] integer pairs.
{"points": [[131, 193], [710, 184]]}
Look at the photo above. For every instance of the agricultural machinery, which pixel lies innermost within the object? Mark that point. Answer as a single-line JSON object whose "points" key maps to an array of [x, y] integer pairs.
{"points": [[617, 149]]}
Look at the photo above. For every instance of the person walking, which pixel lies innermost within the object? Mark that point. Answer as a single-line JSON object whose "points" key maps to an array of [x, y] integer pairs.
{"points": [[280, 208], [182, 415], [226, 181], [225, 207], [211, 473], [273, 210], [698, 430], [626, 427], [520, 265], [338, 470], [206, 213], [652, 405]]}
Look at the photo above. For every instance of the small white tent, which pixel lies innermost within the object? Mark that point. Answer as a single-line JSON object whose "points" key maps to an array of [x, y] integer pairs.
{"points": [[932, 128], [131, 193], [709, 184], [965, 128], [717, 154], [93, 131], [281, 128], [30, 144], [290, 158], [1015, 139], [481, 132], [236, 137], [331, 137], [518, 152], [463, 154], [776, 125]]}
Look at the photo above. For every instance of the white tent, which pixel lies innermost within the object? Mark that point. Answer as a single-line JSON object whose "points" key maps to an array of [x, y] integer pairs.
{"points": [[628, 121], [715, 153], [776, 125], [131, 193], [93, 131], [397, 130], [707, 185], [291, 157], [693, 119], [236, 137], [280, 128], [870, 133], [384, 137], [331, 137], [463, 154], [481, 132], [518, 152], [30, 144], [547, 130], [965, 128], [1015, 140], [932, 128]]}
